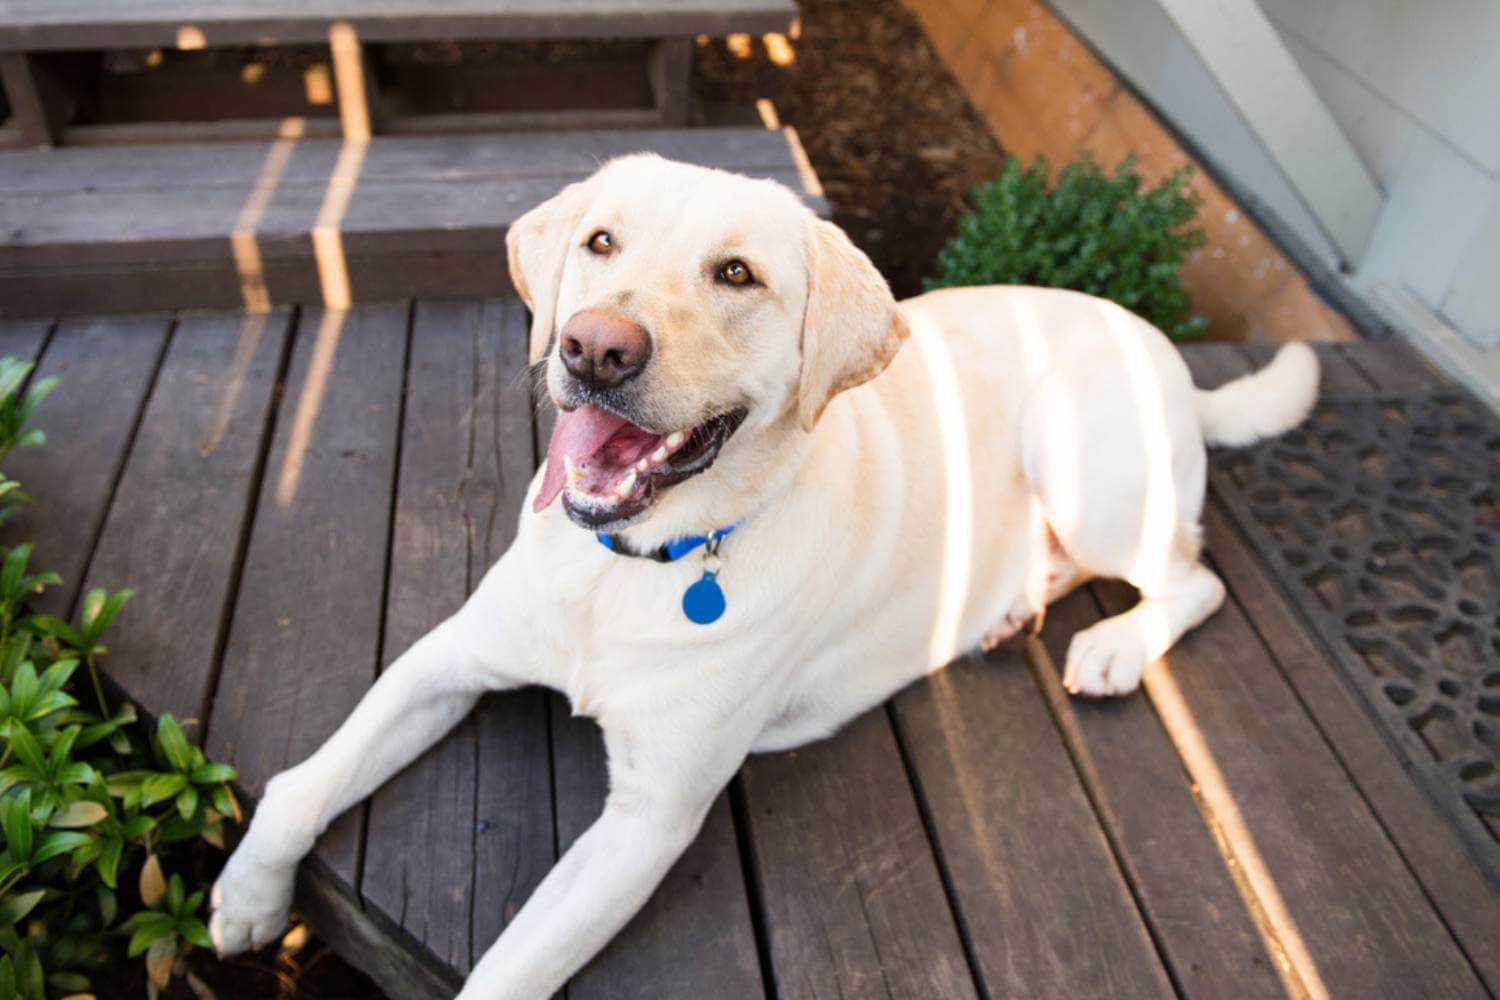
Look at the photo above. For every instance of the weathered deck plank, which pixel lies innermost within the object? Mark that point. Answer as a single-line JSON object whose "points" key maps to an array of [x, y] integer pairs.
{"points": [[1428, 843], [181, 509], [305, 635], [468, 826], [23, 339], [694, 937], [1045, 908], [1391, 365], [1355, 879], [853, 900], [85, 24], [1341, 900], [107, 364], [127, 227], [1187, 893]]}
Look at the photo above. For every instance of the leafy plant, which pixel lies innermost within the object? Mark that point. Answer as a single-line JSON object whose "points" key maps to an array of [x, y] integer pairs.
{"points": [[1091, 231], [91, 800]]}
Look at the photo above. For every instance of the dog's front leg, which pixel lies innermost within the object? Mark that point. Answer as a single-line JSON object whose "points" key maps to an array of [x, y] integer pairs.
{"points": [[658, 798], [417, 700]]}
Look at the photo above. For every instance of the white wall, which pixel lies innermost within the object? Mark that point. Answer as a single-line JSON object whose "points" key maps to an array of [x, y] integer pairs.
{"points": [[1414, 84]]}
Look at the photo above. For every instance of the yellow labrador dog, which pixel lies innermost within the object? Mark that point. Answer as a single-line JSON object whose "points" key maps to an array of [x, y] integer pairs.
{"points": [[773, 497]]}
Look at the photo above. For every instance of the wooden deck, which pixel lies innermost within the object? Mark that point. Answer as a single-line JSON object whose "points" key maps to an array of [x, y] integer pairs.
{"points": [[299, 495]]}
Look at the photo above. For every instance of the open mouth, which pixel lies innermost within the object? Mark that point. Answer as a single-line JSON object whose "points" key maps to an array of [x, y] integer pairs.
{"points": [[610, 471]]}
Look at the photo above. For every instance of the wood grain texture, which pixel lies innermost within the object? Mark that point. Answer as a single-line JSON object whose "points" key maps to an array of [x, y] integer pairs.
{"points": [[1041, 898], [84, 24], [853, 900], [1135, 779], [22, 339], [309, 162], [304, 641], [468, 826], [1351, 917], [105, 366], [1392, 366], [149, 226], [1336, 376], [693, 938], [1426, 840], [183, 503], [1213, 365]]}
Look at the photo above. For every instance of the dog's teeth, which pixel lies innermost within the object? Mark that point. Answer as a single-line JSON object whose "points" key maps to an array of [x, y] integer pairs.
{"points": [[659, 456], [626, 485], [642, 465], [675, 438], [573, 471]]}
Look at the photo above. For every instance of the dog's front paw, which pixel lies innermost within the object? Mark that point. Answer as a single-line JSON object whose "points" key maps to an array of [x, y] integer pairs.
{"points": [[250, 902], [1106, 659]]}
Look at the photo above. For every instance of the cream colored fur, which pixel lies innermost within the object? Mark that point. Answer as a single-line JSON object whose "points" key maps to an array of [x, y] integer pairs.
{"points": [[898, 508]]}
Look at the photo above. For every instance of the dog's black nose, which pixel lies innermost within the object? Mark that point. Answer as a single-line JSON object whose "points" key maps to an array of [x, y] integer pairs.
{"points": [[602, 350]]}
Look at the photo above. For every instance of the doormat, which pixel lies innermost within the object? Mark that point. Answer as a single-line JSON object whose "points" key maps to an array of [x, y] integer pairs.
{"points": [[1380, 517]]}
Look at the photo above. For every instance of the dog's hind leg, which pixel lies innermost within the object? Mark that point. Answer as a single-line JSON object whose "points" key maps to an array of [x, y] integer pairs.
{"points": [[1118, 467], [1108, 658]]}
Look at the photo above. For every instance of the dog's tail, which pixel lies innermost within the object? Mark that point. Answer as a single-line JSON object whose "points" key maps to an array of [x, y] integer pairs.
{"points": [[1264, 403]]}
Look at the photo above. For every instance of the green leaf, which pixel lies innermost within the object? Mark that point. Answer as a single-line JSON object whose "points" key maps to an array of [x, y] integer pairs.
{"points": [[59, 842], [150, 918], [108, 863], [14, 907], [160, 787], [59, 630], [147, 936], [62, 746], [109, 905], [187, 802], [193, 931], [82, 813], [15, 819], [211, 774], [77, 773], [173, 745], [24, 688], [175, 894], [24, 745], [72, 983], [12, 569], [97, 616]]}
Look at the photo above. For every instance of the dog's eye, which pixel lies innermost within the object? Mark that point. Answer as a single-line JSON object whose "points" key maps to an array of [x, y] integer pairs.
{"points": [[602, 243], [736, 272]]}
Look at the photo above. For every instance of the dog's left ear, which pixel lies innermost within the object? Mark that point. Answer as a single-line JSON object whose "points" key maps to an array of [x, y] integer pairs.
{"points": [[536, 246], [852, 328]]}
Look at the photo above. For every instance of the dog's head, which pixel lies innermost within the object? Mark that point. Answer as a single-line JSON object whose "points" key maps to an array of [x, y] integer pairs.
{"points": [[676, 307]]}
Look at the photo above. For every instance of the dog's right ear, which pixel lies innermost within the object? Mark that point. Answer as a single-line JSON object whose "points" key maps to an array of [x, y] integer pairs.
{"points": [[536, 246]]}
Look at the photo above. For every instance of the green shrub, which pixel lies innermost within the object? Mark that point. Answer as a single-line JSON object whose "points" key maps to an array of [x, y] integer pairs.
{"points": [[91, 799], [1091, 232]]}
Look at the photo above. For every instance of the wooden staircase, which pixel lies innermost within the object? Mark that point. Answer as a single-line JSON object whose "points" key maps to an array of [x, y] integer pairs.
{"points": [[358, 199]]}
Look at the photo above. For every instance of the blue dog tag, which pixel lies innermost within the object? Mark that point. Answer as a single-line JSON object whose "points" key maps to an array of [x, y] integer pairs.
{"points": [[703, 602]]}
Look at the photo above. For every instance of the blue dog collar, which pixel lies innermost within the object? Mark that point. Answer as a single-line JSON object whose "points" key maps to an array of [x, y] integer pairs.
{"points": [[703, 602]]}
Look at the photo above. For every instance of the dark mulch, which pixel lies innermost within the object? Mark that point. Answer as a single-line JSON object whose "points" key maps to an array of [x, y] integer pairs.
{"points": [[890, 133]]}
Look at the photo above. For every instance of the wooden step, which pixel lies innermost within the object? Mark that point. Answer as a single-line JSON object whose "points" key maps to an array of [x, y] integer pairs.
{"points": [[232, 223], [38, 25]]}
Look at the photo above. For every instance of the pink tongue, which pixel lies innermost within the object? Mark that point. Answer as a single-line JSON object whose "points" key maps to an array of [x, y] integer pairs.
{"points": [[578, 435]]}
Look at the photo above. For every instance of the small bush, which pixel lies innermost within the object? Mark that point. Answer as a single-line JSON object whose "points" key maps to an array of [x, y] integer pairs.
{"points": [[91, 799], [1091, 232]]}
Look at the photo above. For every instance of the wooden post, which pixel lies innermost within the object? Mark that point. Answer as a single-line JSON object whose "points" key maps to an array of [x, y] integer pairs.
{"points": [[39, 107], [670, 69]]}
